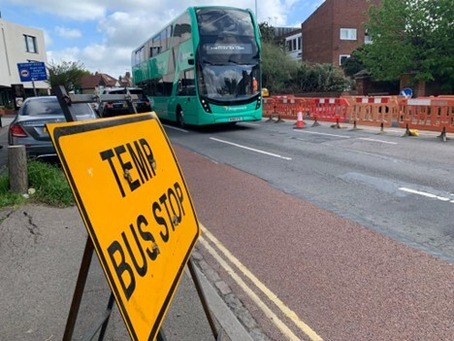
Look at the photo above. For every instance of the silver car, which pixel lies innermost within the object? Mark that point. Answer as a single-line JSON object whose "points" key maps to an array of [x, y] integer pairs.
{"points": [[28, 127]]}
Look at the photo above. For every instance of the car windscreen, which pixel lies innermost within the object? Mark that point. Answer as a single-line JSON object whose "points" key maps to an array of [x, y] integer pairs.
{"points": [[52, 107]]}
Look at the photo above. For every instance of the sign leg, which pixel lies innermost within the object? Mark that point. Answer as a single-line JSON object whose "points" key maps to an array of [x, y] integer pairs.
{"points": [[78, 292], [106, 321], [199, 289]]}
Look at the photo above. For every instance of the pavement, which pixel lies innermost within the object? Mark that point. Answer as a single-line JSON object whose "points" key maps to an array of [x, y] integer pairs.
{"points": [[41, 250]]}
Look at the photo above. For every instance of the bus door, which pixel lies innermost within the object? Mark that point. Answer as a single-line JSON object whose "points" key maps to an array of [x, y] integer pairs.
{"points": [[163, 96], [186, 96]]}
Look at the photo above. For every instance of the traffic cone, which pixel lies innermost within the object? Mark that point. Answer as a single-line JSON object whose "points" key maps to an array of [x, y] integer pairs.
{"points": [[299, 122]]}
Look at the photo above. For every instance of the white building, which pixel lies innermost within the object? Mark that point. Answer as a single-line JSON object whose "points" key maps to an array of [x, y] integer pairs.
{"points": [[19, 44], [293, 45]]}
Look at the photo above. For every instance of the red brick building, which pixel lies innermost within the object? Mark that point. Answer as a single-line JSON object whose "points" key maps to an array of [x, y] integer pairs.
{"points": [[335, 30]]}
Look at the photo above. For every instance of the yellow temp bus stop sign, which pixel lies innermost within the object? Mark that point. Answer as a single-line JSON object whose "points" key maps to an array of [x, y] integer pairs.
{"points": [[136, 207]]}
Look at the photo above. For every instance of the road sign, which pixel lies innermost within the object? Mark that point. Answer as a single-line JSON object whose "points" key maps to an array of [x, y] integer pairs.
{"points": [[34, 71], [408, 92], [136, 207]]}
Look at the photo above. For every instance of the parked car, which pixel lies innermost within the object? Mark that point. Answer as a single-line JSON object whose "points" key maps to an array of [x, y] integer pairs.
{"points": [[109, 109], [28, 127]]}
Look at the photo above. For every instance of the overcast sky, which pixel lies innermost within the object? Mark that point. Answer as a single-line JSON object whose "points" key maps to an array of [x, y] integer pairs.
{"points": [[101, 34]]}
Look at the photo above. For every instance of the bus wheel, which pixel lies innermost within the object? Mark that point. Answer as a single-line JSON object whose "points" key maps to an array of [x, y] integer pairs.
{"points": [[180, 119]]}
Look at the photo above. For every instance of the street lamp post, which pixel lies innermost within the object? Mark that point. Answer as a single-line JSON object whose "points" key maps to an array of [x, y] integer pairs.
{"points": [[256, 10]]}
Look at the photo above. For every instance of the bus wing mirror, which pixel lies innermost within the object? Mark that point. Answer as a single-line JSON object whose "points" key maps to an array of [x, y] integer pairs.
{"points": [[191, 61]]}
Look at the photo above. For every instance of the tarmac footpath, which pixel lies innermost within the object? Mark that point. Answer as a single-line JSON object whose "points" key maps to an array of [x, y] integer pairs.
{"points": [[40, 253]]}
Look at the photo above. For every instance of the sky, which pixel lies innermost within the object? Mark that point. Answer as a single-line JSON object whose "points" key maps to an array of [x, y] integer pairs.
{"points": [[101, 34]]}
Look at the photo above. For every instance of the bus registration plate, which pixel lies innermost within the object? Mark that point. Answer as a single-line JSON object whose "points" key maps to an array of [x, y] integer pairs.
{"points": [[235, 119]]}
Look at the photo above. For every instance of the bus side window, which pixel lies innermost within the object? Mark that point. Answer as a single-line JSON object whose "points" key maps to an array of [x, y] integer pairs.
{"points": [[186, 83]]}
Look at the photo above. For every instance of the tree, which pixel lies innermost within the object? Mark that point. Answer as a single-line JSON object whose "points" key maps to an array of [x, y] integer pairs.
{"points": [[67, 74], [266, 32], [319, 78], [411, 36], [277, 68], [353, 64], [283, 75]]}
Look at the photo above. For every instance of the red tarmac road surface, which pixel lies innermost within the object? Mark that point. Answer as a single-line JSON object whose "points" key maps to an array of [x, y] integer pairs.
{"points": [[345, 281]]}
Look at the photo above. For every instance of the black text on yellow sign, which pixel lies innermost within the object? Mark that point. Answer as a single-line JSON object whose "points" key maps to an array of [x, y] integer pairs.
{"points": [[136, 207]]}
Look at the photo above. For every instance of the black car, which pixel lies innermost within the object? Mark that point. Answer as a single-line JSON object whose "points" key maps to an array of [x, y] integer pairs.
{"points": [[109, 109]]}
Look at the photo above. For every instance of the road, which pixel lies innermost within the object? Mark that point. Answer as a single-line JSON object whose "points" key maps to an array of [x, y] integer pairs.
{"points": [[328, 233], [401, 187]]}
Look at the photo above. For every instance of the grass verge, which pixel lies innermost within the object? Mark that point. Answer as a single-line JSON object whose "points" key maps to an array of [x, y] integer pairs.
{"points": [[48, 181]]}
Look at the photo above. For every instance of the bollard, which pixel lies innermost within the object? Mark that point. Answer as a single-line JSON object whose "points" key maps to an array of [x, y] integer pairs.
{"points": [[17, 166]]}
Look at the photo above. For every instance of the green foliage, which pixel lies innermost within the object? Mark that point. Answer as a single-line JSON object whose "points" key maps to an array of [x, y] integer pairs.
{"points": [[6, 197], [49, 182], [67, 74], [266, 32], [353, 65], [411, 36], [278, 69], [320, 78], [283, 75]]}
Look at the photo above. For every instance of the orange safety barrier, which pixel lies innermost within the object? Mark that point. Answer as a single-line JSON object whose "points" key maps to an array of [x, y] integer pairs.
{"points": [[428, 113], [268, 107], [281, 107], [374, 111], [329, 109]]}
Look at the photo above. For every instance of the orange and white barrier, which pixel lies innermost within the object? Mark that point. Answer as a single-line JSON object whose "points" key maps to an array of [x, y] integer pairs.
{"points": [[382, 111], [268, 107], [423, 113], [329, 109], [428, 113], [284, 107]]}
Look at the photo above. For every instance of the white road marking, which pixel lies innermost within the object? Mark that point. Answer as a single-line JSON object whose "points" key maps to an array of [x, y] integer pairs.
{"points": [[268, 293], [176, 128], [251, 149], [326, 134], [425, 194], [374, 140]]}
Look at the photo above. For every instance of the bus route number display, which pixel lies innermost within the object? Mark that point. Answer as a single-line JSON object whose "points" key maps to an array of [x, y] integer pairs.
{"points": [[135, 205]]}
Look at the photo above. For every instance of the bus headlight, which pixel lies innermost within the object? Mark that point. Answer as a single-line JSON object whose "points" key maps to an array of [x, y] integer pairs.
{"points": [[205, 105], [259, 102]]}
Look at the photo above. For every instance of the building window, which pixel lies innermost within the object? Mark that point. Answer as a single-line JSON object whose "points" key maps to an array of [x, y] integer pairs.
{"points": [[30, 44], [343, 58], [348, 33]]}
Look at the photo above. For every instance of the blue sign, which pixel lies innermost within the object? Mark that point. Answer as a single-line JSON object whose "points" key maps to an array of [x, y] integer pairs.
{"points": [[34, 71], [408, 92]]}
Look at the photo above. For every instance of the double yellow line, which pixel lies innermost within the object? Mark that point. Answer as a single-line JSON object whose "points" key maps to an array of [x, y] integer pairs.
{"points": [[310, 333]]}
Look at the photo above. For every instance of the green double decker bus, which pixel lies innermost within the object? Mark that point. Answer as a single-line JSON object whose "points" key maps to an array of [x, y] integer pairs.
{"points": [[203, 68]]}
